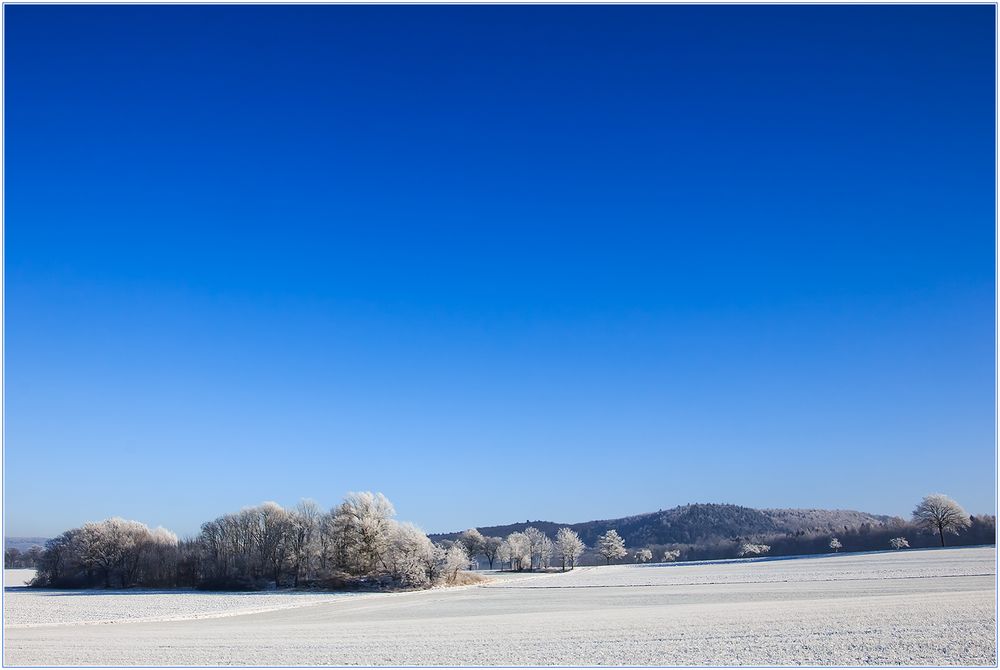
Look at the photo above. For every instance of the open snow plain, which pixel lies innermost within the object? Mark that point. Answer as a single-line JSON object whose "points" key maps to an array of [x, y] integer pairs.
{"points": [[930, 607]]}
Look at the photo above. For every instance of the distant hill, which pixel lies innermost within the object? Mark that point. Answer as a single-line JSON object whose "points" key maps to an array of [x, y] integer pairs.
{"points": [[23, 543], [701, 523]]}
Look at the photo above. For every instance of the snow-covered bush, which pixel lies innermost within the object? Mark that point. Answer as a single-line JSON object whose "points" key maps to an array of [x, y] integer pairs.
{"points": [[643, 556], [671, 555], [835, 544], [899, 543], [751, 549]]}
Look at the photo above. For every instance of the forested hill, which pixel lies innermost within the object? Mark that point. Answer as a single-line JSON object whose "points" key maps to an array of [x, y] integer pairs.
{"points": [[701, 523]]}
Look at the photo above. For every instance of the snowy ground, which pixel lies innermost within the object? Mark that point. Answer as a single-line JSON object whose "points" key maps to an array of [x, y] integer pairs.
{"points": [[18, 576], [932, 607]]}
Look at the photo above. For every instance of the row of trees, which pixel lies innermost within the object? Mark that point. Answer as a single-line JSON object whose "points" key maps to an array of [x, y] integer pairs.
{"points": [[529, 549], [357, 543], [936, 515], [15, 558]]}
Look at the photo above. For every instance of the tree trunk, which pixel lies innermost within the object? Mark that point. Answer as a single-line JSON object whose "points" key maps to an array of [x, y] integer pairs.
{"points": [[941, 533]]}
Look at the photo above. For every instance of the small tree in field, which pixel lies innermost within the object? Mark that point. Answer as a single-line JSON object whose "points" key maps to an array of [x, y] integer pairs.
{"points": [[899, 543], [938, 512], [835, 545], [611, 546], [643, 556], [671, 555]]}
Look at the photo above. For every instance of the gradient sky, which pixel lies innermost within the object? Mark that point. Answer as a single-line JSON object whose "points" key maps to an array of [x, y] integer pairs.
{"points": [[499, 263]]}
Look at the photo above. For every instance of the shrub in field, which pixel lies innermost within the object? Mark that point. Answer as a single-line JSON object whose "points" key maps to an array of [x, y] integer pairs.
{"points": [[751, 549]]}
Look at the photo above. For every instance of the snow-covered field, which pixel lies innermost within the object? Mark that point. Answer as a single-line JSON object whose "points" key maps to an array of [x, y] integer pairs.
{"points": [[933, 607], [18, 576]]}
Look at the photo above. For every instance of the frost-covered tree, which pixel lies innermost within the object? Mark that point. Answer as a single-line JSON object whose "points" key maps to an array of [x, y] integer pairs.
{"points": [[455, 559], [519, 551], [899, 543], [545, 552], [246, 549], [671, 555], [363, 522], [114, 548], [505, 554], [611, 546], [473, 542], [835, 545], [643, 556], [491, 549], [569, 546], [410, 556], [938, 512], [536, 543]]}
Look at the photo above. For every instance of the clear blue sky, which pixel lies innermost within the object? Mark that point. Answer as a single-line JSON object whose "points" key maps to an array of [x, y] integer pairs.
{"points": [[498, 263]]}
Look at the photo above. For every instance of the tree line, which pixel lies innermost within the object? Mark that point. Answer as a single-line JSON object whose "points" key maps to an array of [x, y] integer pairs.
{"points": [[357, 544], [935, 519]]}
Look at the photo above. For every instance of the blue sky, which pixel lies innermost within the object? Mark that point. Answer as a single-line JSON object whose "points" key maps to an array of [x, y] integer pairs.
{"points": [[499, 263]]}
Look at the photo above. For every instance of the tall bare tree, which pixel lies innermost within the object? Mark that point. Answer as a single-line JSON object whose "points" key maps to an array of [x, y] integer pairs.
{"points": [[938, 512]]}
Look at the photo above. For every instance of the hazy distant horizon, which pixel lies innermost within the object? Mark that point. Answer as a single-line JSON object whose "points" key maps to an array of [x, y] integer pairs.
{"points": [[496, 262]]}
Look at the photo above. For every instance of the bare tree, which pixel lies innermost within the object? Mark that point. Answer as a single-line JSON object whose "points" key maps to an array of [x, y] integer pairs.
{"points": [[304, 520], [611, 546], [273, 532], [491, 549], [569, 546], [938, 512]]}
